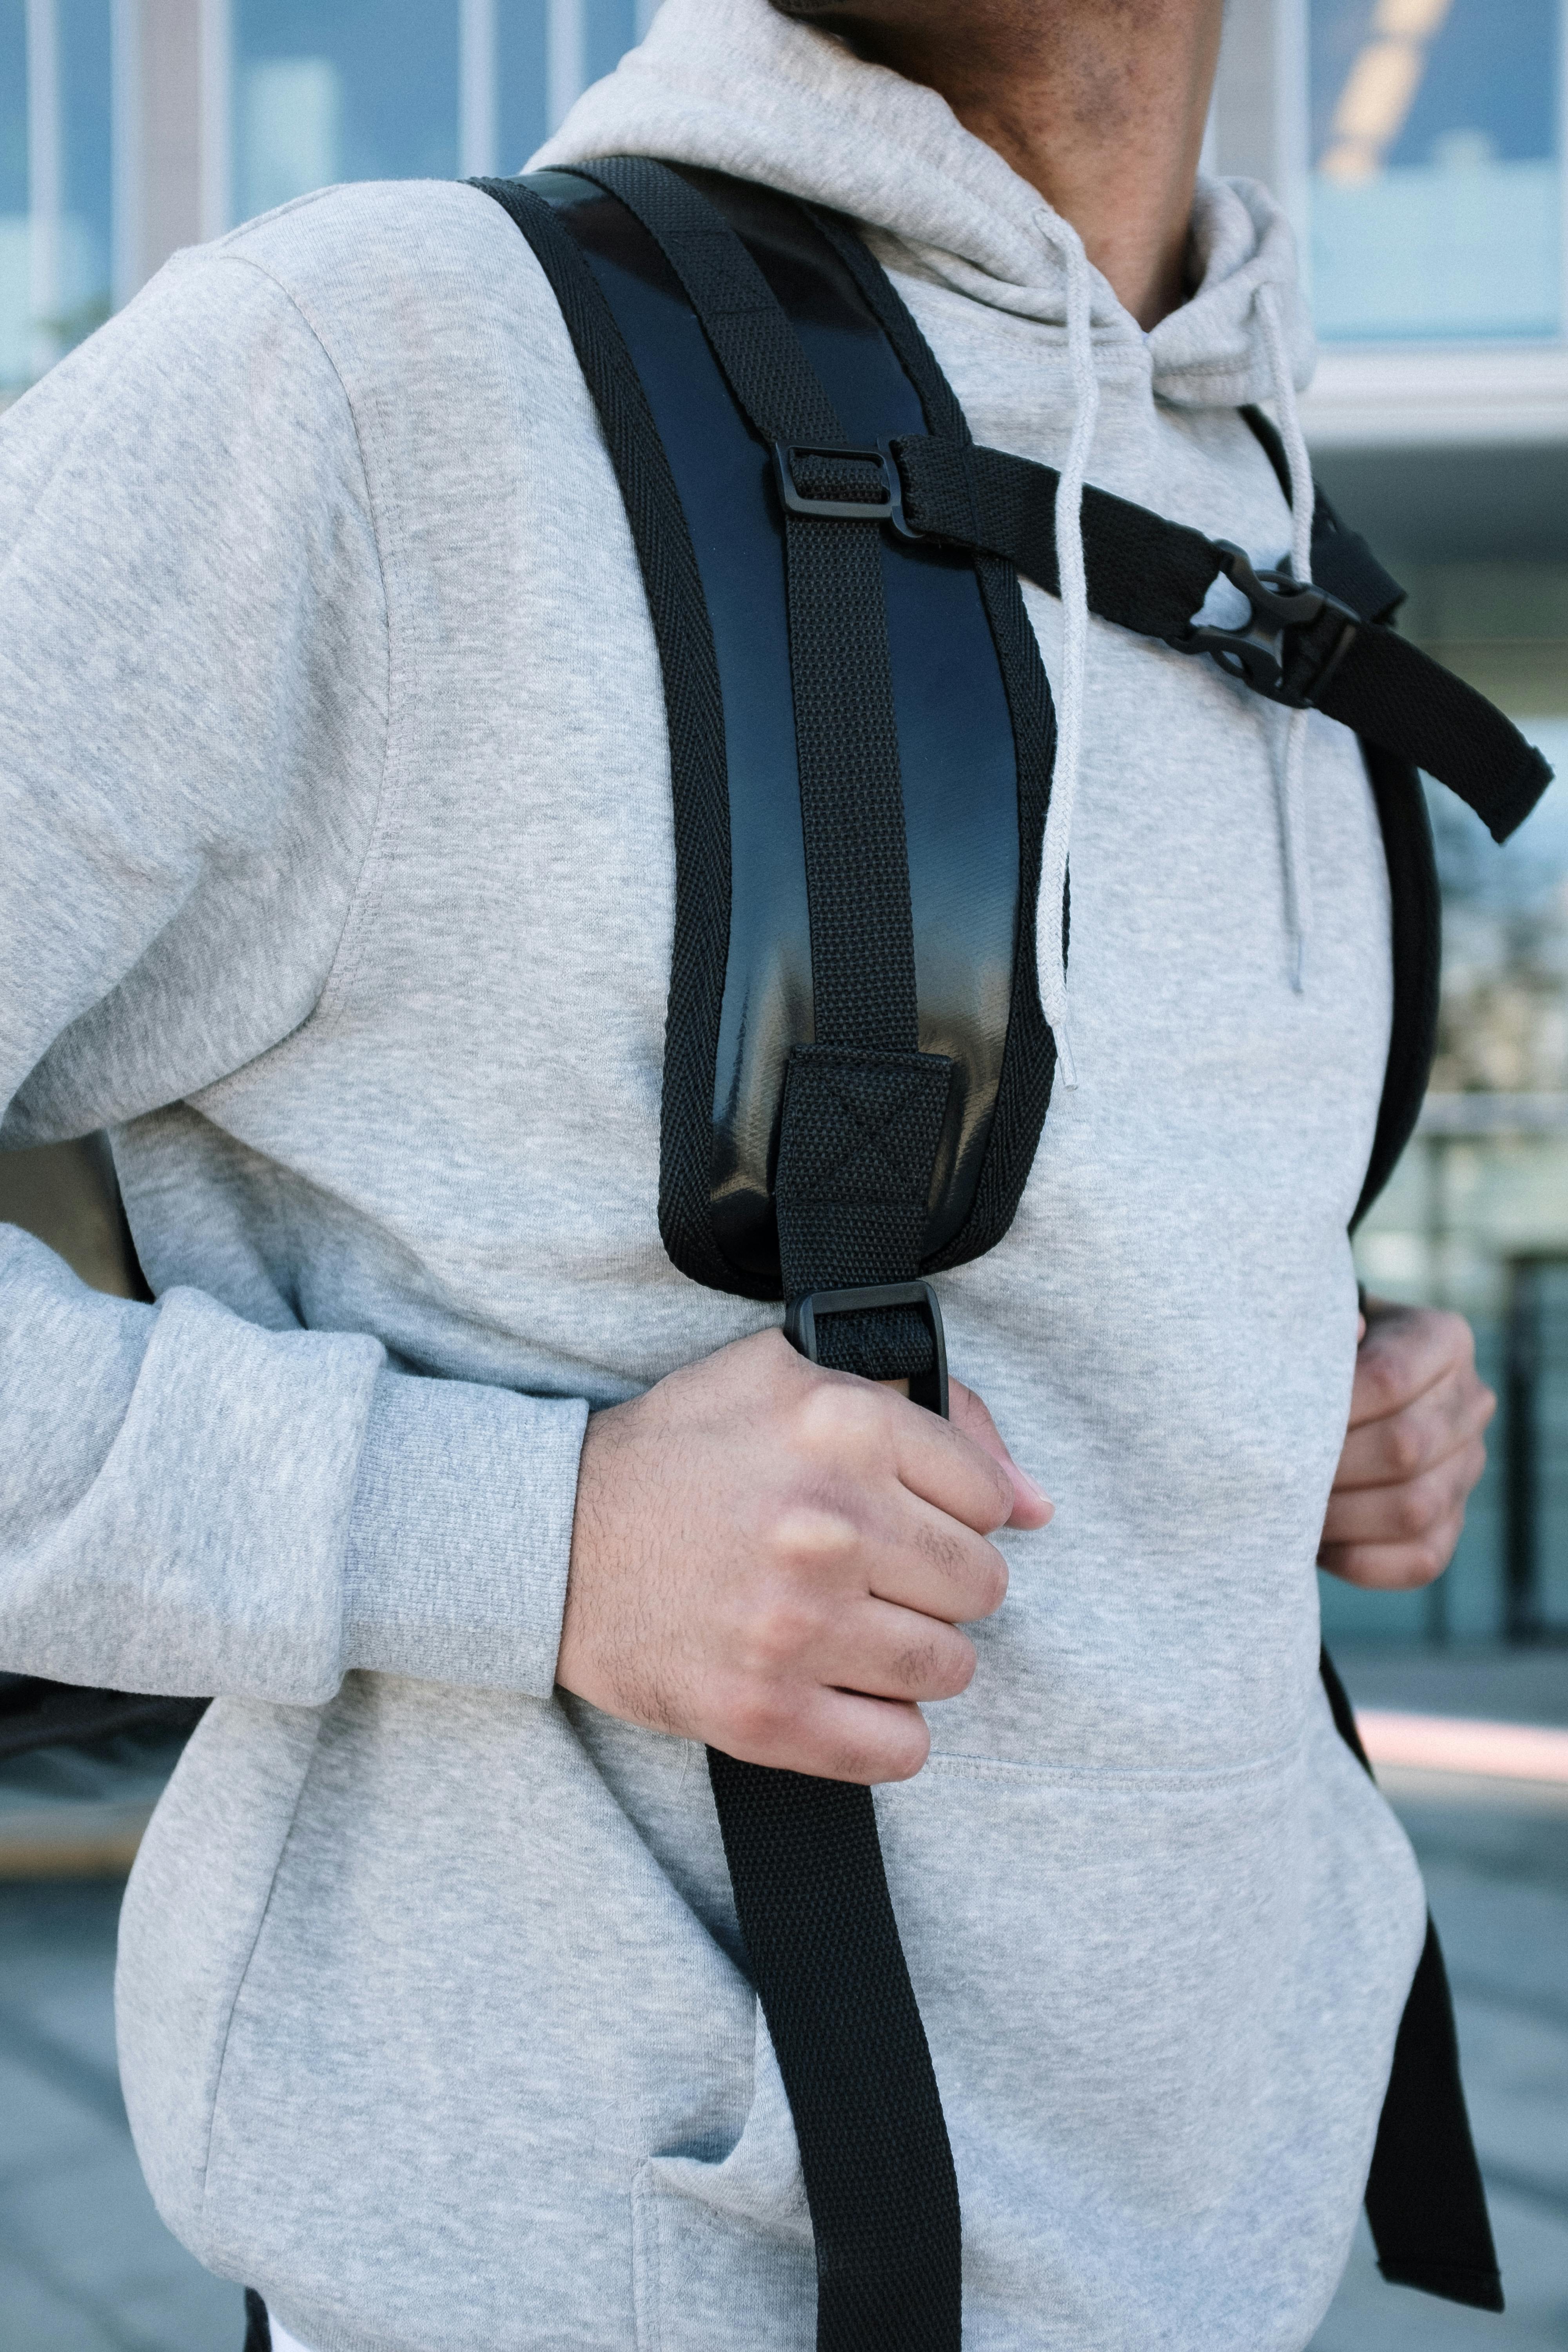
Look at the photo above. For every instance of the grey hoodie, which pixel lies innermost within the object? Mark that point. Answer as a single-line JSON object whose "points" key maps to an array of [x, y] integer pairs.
{"points": [[338, 881]]}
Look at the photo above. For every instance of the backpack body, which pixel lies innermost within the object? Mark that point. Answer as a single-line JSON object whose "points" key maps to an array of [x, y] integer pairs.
{"points": [[711, 317]]}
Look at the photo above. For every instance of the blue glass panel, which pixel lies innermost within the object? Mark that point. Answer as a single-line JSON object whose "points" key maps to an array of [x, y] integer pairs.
{"points": [[608, 30], [611, 30], [53, 271], [13, 106], [15, 280], [1436, 194], [364, 90], [522, 59], [82, 297]]}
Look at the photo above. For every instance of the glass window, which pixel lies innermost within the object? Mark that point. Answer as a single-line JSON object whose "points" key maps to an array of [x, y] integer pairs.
{"points": [[522, 80], [547, 50], [1436, 190], [16, 270], [365, 90], [369, 89], [83, 258], [55, 186]]}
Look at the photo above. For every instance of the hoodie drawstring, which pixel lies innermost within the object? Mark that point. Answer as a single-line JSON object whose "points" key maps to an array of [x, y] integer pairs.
{"points": [[1291, 782], [1073, 585]]}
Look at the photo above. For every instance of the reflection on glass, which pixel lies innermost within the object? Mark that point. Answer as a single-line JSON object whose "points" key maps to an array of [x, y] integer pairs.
{"points": [[291, 129], [1436, 190]]}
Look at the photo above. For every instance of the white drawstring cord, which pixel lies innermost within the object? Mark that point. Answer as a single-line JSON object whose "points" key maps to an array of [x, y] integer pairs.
{"points": [[1074, 590], [1291, 783]]}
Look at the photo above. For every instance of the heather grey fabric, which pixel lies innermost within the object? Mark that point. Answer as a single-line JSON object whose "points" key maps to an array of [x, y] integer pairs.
{"points": [[338, 880]]}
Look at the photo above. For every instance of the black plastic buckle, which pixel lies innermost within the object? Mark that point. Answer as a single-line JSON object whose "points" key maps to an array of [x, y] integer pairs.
{"points": [[1280, 605], [887, 507], [802, 1315]]}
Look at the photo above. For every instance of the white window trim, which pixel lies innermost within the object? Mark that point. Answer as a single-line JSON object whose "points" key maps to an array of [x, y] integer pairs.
{"points": [[1420, 396], [215, 129], [127, 158], [1414, 394], [46, 179], [478, 91]]}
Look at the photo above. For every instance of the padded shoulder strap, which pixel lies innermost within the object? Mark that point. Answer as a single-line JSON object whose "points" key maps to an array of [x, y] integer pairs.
{"points": [[1346, 566]]}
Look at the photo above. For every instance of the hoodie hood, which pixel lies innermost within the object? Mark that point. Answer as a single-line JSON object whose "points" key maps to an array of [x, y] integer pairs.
{"points": [[734, 87]]}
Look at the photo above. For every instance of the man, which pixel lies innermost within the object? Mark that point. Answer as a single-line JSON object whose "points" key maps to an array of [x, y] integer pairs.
{"points": [[338, 884]]}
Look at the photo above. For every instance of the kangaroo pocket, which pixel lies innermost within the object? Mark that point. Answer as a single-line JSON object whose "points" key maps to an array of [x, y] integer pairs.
{"points": [[1161, 2008], [487, 2077], [475, 2007], [723, 2248]]}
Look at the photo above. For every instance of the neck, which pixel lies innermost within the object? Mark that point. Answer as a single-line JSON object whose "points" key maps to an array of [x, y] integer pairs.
{"points": [[1099, 104]]}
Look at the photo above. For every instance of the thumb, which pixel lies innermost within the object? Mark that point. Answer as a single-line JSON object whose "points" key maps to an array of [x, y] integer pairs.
{"points": [[968, 1413]]}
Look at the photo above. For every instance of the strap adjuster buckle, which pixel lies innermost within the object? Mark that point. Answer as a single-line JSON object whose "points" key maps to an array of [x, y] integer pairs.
{"points": [[1258, 654], [883, 505], [802, 1315]]}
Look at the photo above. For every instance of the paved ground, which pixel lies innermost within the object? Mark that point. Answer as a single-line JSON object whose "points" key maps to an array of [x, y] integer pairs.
{"points": [[86, 2266]]}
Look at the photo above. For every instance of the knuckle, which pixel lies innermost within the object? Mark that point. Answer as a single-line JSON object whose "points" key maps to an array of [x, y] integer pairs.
{"points": [[901, 1751], [960, 1666], [1405, 1446], [1458, 1339], [1002, 1494], [1425, 1564], [779, 1635], [812, 1535], [1414, 1510], [842, 1416], [1383, 1382], [992, 1582], [756, 1722], [935, 1668]]}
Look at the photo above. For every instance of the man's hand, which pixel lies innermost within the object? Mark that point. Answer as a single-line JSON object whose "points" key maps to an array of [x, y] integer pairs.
{"points": [[1413, 1451], [775, 1559]]}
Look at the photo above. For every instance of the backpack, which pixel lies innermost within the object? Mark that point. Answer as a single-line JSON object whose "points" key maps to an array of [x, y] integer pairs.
{"points": [[848, 1108], [832, 570]]}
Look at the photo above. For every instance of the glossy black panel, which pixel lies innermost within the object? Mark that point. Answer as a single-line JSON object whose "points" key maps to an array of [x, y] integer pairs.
{"points": [[955, 739]]}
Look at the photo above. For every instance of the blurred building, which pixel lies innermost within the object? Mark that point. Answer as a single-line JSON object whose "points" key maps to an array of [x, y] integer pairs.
{"points": [[1420, 147]]}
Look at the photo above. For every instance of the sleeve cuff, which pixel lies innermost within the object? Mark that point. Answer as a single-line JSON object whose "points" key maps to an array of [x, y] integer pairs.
{"points": [[460, 1533]]}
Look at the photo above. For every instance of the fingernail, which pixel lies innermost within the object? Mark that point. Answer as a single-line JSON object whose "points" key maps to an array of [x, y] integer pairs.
{"points": [[1037, 1493]]}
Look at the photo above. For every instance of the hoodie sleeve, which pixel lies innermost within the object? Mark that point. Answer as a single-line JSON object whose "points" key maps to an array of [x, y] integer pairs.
{"points": [[192, 726]]}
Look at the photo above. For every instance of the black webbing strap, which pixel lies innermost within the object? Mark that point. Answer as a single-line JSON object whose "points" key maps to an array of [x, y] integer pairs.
{"points": [[861, 1118], [1150, 575], [1425, 2199], [863, 1108]]}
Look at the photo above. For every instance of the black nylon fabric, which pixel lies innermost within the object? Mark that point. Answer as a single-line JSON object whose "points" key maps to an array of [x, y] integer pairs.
{"points": [[694, 712], [1028, 1067], [1142, 574], [36, 1713], [1151, 576], [1394, 695], [1444, 2215], [818, 1923], [1416, 913], [862, 1113], [1425, 2200], [862, 938], [858, 1138]]}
